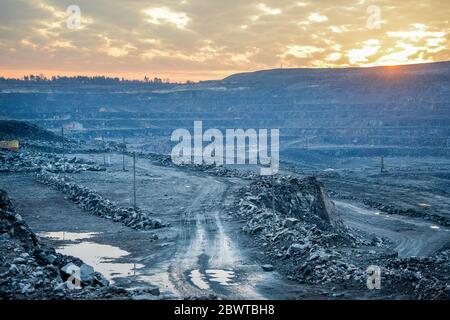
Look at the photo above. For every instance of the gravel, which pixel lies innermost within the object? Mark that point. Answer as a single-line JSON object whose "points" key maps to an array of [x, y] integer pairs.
{"points": [[31, 161]]}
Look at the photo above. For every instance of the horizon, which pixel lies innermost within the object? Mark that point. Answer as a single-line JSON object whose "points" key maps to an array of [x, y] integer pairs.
{"points": [[199, 40], [151, 77]]}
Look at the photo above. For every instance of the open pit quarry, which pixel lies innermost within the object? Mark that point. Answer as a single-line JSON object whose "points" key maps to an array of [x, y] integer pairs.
{"points": [[364, 183]]}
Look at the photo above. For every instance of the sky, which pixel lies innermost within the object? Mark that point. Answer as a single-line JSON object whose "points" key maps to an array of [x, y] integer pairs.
{"points": [[211, 39]]}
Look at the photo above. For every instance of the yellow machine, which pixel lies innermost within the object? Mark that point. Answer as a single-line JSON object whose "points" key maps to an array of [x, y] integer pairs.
{"points": [[12, 145]]}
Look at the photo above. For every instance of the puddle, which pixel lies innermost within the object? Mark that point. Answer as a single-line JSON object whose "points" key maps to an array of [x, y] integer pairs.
{"points": [[434, 227], [99, 256], [67, 236], [224, 277], [197, 280]]}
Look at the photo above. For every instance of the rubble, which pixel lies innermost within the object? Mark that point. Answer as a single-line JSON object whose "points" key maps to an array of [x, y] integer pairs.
{"points": [[212, 169], [424, 277], [294, 200], [30, 161], [94, 203], [303, 231]]}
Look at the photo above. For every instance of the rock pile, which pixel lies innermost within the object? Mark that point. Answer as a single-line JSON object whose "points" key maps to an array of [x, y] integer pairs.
{"points": [[94, 203], [219, 171], [303, 199], [28, 161], [422, 277], [303, 231], [13, 129]]}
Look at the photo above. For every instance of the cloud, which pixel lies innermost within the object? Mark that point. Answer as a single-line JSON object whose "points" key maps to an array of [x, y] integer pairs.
{"points": [[317, 17], [206, 39], [28, 43], [338, 29], [163, 15], [335, 56], [369, 48], [268, 10], [419, 32], [301, 51]]}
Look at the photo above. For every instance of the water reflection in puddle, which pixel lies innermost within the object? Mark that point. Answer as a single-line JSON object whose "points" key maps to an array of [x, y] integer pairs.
{"points": [[224, 277], [198, 280], [99, 256], [67, 236]]}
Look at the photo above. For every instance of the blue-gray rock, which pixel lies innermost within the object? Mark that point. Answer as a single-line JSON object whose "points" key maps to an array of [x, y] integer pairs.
{"points": [[86, 273]]}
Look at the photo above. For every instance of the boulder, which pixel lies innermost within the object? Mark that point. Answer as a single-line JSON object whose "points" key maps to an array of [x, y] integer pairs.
{"points": [[267, 267], [297, 248], [71, 269], [289, 222], [86, 273], [100, 279]]}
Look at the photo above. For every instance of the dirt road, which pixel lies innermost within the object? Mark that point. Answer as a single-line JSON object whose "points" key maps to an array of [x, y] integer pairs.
{"points": [[411, 236], [199, 255]]}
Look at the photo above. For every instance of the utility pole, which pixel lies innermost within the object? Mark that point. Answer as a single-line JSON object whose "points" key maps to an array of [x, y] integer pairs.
{"points": [[273, 200], [382, 164], [447, 147], [104, 154], [63, 151], [134, 179], [123, 153], [273, 193]]}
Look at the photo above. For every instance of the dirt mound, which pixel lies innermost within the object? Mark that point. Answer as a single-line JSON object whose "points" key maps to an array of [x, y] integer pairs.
{"points": [[13, 129], [5, 202], [305, 199]]}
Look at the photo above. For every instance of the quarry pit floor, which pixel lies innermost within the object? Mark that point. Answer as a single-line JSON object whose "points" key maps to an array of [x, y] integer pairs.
{"points": [[203, 252]]}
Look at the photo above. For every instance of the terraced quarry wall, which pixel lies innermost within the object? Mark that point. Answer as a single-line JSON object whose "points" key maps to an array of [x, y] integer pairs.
{"points": [[336, 112]]}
